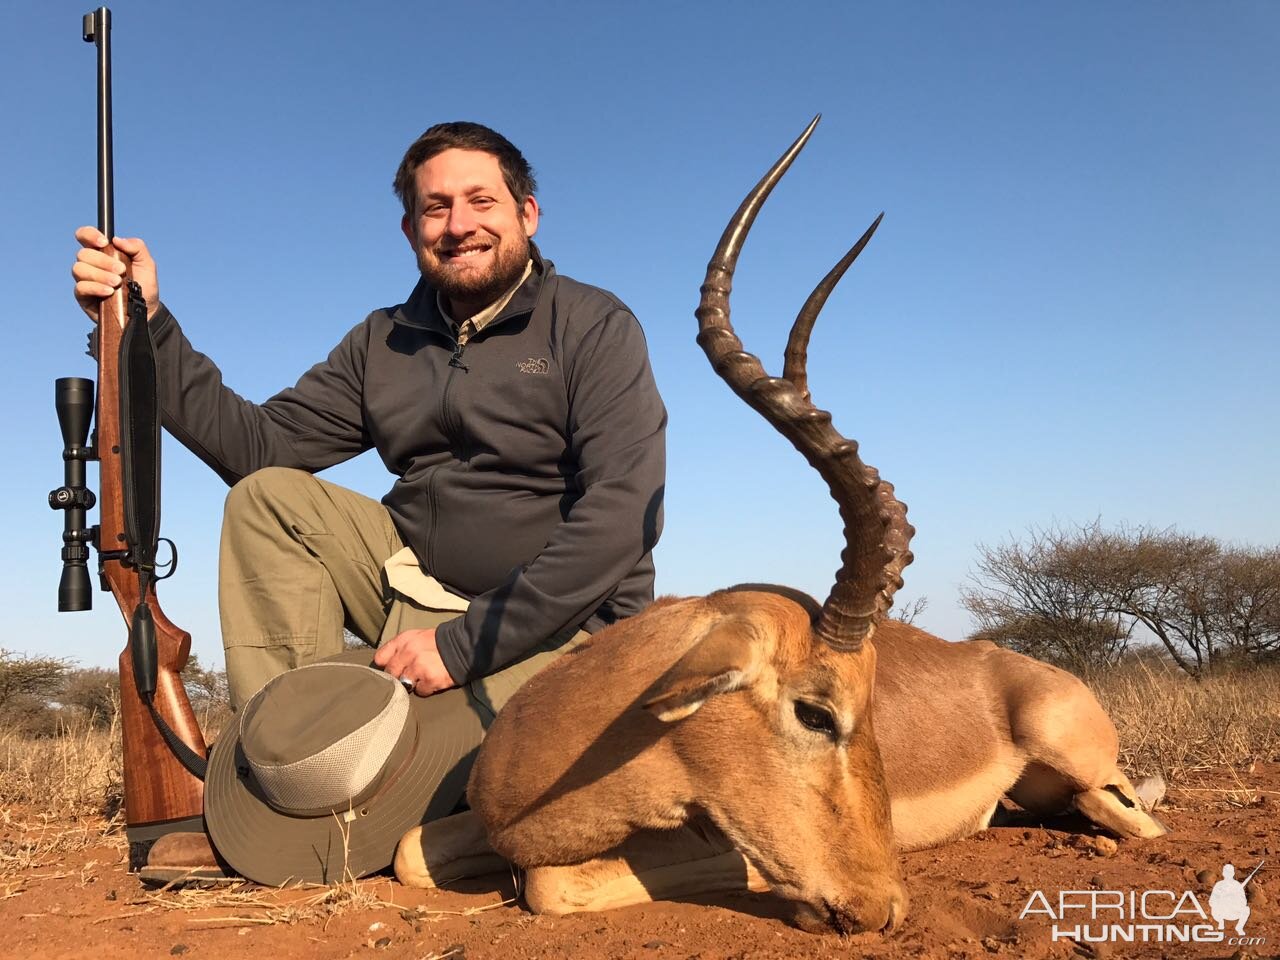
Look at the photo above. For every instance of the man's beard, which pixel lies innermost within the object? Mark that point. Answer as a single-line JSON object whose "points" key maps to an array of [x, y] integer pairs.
{"points": [[507, 267]]}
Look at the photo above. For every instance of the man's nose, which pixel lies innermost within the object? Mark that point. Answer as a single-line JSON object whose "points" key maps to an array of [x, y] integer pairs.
{"points": [[461, 220]]}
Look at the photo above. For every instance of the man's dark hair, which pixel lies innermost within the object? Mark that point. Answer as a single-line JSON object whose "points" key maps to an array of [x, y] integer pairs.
{"points": [[463, 135]]}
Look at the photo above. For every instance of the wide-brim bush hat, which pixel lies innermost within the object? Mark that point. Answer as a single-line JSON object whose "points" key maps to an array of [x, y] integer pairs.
{"points": [[328, 765]]}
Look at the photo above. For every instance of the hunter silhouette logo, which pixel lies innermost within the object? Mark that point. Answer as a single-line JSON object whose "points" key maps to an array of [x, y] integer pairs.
{"points": [[534, 365], [1228, 900], [1148, 916]]}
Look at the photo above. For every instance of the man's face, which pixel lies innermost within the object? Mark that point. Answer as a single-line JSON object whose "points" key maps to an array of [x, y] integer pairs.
{"points": [[470, 236]]}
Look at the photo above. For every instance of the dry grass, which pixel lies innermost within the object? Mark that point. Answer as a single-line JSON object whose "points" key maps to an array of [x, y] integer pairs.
{"points": [[59, 795], [242, 905], [1174, 725], [78, 772], [81, 769], [37, 847]]}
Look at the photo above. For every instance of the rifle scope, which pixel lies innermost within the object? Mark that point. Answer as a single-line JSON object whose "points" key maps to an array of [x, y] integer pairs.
{"points": [[73, 398]]}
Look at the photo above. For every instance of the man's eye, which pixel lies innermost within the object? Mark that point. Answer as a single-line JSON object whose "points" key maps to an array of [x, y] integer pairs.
{"points": [[483, 202], [816, 718]]}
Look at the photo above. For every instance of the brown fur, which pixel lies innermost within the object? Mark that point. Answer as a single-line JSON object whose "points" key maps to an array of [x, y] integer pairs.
{"points": [[1000, 724], [580, 759], [581, 769]]}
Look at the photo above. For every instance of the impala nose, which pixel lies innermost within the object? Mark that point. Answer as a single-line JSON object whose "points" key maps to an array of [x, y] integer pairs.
{"points": [[882, 912]]}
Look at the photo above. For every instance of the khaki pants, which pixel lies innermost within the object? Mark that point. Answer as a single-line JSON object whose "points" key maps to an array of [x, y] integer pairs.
{"points": [[301, 559]]}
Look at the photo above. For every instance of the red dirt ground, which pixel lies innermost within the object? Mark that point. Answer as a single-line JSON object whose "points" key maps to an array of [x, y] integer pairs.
{"points": [[66, 897]]}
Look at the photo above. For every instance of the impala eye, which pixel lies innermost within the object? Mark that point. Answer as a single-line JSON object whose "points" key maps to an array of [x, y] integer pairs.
{"points": [[816, 718]]}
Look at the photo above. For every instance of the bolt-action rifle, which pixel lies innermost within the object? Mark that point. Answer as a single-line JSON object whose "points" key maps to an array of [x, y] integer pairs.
{"points": [[164, 750]]}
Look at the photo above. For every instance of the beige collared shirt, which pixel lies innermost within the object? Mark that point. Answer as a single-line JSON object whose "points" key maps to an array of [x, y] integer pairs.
{"points": [[469, 327], [406, 577]]}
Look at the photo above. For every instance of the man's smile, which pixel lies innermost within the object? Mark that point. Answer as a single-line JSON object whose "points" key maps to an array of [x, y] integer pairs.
{"points": [[463, 252]]}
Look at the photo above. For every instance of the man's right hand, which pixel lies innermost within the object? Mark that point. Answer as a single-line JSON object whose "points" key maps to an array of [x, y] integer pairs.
{"points": [[98, 274]]}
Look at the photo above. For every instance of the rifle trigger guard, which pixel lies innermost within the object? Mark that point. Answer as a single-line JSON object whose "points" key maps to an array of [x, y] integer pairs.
{"points": [[172, 565]]}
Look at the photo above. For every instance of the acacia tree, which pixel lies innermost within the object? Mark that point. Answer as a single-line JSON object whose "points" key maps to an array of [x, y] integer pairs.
{"points": [[25, 676], [1031, 598], [908, 612], [1077, 597], [94, 691], [26, 683], [1160, 579], [1244, 607]]}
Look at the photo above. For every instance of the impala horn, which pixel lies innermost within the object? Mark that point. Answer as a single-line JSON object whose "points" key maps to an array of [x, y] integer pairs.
{"points": [[876, 531]]}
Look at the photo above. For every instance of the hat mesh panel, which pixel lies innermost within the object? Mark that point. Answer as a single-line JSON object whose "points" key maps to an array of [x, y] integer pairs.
{"points": [[333, 777]]}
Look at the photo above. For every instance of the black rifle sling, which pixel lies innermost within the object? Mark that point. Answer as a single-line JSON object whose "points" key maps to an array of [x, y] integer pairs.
{"points": [[140, 436], [140, 466]]}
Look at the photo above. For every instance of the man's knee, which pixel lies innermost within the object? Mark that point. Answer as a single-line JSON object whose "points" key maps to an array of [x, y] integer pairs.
{"points": [[264, 488]]}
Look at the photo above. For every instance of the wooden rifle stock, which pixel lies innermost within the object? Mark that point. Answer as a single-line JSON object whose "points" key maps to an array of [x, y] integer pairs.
{"points": [[161, 794], [158, 788]]}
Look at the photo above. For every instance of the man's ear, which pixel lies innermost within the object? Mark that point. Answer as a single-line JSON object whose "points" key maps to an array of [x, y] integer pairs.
{"points": [[406, 227], [727, 658], [529, 213]]}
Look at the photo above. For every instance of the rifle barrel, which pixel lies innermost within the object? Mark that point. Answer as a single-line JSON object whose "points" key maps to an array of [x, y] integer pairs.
{"points": [[97, 30]]}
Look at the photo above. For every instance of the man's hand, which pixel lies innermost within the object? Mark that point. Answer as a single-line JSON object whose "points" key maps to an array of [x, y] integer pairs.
{"points": [[98, 274], [412, 655]]}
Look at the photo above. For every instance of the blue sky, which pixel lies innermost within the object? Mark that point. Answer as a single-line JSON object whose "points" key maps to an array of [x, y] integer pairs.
{"points": [[1069, 311]]}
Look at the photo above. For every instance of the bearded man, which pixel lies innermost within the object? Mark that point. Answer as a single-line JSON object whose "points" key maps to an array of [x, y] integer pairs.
{"points": [[516, 409]]}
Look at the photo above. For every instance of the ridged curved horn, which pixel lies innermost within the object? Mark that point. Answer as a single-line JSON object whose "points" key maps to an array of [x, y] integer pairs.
{"points": [[876, 531], [796, 356]]}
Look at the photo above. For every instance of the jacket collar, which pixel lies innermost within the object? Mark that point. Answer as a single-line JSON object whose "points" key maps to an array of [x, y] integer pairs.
{"points": [[420, 309]]}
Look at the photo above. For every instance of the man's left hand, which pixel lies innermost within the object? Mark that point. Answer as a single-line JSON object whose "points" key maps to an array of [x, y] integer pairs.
{"points": [[413, 656]]}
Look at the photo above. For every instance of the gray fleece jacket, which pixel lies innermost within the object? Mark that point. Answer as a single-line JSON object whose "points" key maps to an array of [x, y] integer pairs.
{"points": [[529, 465]]}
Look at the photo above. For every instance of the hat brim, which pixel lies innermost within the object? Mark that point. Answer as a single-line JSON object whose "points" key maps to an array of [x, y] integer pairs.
{"points": [[275, 848]]}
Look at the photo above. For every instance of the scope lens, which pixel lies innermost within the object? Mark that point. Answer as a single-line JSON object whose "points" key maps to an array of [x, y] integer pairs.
{"points": [[73, 398], [74, 590]]}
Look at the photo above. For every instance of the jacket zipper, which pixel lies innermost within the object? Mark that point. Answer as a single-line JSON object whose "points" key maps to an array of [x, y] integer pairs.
{"points": [[452, 433]]}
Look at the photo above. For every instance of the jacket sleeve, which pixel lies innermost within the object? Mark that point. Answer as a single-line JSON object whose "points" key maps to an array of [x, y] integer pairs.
{"points": [[314, 424], [617, 427]]}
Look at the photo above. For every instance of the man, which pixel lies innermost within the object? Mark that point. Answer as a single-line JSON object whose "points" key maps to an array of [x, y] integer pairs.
{"points": [[516, 409]]}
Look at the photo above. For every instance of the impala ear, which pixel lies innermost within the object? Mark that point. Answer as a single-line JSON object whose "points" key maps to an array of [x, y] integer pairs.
{"points": [[727, 658]]}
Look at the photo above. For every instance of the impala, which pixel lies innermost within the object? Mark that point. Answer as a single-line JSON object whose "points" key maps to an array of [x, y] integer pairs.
{"points": [[754, 738]]}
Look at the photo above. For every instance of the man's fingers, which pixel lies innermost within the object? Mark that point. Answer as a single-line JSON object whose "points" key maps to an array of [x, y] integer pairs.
{"points": [[382, 656], [97, 275], [393, 657], [102, 270], [133, 248], [100, 261], [91, 237], [413, 654], [401, 665], [86, 290]]}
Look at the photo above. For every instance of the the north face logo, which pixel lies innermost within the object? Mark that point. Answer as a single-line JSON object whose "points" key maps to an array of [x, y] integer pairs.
{"points": [[534, 365]]}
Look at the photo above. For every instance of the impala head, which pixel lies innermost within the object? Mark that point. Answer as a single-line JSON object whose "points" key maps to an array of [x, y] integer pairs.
{"points": [[751, 706], [774, 726], [823, 705]]}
